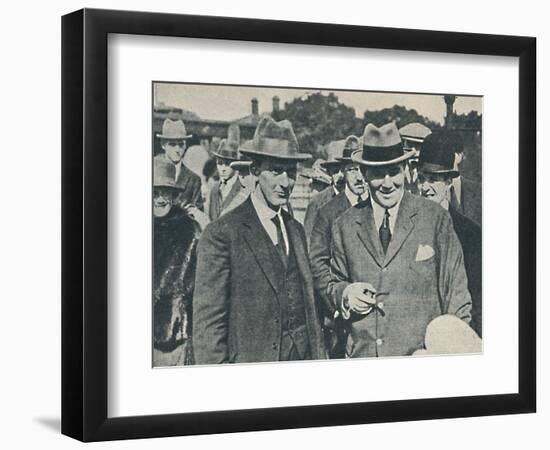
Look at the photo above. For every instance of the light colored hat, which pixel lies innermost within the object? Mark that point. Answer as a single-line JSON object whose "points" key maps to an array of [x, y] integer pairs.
{"points": [[351, 145], [274, 139], [316, 173], [173, 129], [164, 173], [381, 146], [415, 132], [449, 334], [229, 148]]}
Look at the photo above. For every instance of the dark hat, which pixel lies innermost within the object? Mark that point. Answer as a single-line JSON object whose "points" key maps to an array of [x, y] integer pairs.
{"points": [[438, 154], [164, 173], [351, 145], [229, 148], [274, 139], [381, 146], [173, 129]]}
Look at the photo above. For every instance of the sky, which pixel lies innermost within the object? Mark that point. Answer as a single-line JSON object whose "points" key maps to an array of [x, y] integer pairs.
{"points": [[233, 102]]}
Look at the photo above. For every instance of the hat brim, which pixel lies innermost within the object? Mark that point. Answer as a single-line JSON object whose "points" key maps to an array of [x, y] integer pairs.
{"points": [[218, 155], [357, 157], [294, 157], [166, 184], [236, 164], [451, 173], [173, 138]]}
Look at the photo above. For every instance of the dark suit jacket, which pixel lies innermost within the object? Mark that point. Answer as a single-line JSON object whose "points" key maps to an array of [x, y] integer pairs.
{"points": [[469, 235], [217, 205], [237, 315], [419, 278], [319, 248], [189, 184], [470, 200], [315, 204]]}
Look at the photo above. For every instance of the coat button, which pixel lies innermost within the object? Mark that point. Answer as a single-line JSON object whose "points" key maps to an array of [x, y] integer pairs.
{"points": [[379, 341]]}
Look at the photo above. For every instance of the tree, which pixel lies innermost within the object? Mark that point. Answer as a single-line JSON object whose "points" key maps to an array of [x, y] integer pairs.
{"points": [[318, 119], [400, 115]]}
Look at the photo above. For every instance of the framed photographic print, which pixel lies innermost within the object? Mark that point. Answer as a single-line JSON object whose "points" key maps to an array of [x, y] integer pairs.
{"points": [[311, 213]]}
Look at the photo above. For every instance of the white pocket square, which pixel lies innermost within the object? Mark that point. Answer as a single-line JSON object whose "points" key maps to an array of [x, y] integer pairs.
{"points": [[424, 252]]}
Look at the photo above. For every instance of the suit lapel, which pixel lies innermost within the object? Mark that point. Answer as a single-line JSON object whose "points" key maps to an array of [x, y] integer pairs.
{"points": [[232, 193], [368, 234], [262, 247], [297, 246], [403, 227]]}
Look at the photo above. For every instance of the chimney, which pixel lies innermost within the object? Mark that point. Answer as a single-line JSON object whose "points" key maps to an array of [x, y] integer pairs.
{"points": [[276, 104], [449, 101], [254, 102]]}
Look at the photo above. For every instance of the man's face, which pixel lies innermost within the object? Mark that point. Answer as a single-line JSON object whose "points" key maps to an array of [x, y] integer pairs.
{"points": [[163, 199], [434, 187], [224, 169], [355, 181], [276, 179], [337, 176], [174, 149], [386, 184]]}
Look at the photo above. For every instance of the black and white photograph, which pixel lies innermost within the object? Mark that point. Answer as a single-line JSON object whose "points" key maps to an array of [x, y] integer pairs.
{"points": [[294, 224]]}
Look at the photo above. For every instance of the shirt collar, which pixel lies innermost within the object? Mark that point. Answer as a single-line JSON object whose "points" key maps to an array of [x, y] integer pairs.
{"points": [[264, 212], [354, 198], [379, 211], [230, 182]]}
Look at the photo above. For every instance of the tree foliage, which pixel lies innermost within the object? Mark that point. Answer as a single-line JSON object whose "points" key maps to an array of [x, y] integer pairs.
{"points": [[398, 114]]}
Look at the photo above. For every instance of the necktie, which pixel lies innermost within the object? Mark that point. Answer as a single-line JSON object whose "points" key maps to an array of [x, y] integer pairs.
{"points": [[455, 205], [281, 247], [384, 232]]}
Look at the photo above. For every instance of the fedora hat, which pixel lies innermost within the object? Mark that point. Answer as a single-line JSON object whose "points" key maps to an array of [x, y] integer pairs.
{"points": [[414, 132], [316, 173], [334, 150], [164, 173], [351, 145], [381, 146], [438, 154], [229, 148], [173, 129], [275, 140]]}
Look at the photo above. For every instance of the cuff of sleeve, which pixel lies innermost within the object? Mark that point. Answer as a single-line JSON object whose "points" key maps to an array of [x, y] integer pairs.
{"points": [[344, 307]]}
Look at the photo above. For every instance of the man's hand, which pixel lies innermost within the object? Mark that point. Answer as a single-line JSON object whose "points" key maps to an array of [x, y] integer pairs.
{"points": [[359, 298], [196, 214]]}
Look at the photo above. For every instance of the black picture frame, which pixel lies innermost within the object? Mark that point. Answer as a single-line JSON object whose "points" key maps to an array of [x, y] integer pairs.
{"points": [[84, 224]]}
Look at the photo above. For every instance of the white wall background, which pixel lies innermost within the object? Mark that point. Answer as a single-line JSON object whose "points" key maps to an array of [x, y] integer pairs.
{"points": [[30, 222]]}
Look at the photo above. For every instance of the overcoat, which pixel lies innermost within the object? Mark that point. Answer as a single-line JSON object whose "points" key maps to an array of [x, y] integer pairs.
{"points": [[420, 277], [469, 235], [237, 316], [470, 200], [315, 204]]}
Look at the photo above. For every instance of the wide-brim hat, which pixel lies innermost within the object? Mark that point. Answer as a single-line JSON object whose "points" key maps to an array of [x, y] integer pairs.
{"points": [[334, 151], [415, 132], [229, 148], [316, 173], [437, 155], [274, 140], [164, 173], [381, 146], [351, 145], [173, 129]]}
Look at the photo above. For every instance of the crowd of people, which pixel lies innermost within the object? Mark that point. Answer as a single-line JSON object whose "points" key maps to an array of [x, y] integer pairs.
{"points": [[389, 253]]}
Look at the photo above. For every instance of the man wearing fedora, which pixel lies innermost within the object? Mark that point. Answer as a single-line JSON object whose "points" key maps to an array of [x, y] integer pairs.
{"points": [[175, 239], [396, 262], [465, 193], [253, 297], [173, 141], [435, 179], [227, 187], [355, 191], [333, 167]]}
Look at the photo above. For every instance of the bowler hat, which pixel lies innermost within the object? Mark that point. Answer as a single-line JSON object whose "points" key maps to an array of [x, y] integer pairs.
{"points": [[229, 148], [438, 154], [164, 173], [274, 140], [381, 146], [173, 129]]}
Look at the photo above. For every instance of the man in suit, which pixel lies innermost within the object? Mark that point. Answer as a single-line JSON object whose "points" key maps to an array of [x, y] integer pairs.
{"points": [[355, 191], [173, 141], [465, 193], [396, 261], [436, 173], [333, 167], [253, 298], [228, 186]]}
